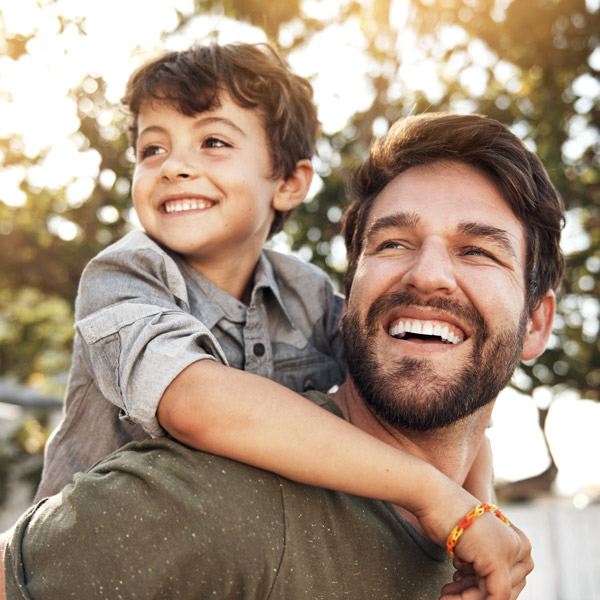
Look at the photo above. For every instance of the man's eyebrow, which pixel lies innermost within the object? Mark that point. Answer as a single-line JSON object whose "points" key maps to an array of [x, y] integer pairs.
{"points": [[203, 121], [401, 220], [482, 230]]}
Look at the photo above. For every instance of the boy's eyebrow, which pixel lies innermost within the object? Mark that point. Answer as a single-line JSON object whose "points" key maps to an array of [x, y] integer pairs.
{"points": [[405, 220], [203, 121], [199, 123], [150, 129]]}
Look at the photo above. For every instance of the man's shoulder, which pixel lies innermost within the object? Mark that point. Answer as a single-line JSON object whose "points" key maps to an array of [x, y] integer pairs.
{"points": [[207, 515], [228, 526], [324, 401], [197, 486]]}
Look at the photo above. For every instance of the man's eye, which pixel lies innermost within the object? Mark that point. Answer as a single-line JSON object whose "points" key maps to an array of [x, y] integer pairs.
{"points": [[478, 252], [150, 151], [213, 142], [391, 245]]}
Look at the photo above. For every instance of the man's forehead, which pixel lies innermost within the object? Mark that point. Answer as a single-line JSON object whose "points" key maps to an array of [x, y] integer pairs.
{"points": [[452, 194], [452, 187]]}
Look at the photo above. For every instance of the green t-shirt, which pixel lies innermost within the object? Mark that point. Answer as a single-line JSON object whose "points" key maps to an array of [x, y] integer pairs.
{"points": [[158, 520]]}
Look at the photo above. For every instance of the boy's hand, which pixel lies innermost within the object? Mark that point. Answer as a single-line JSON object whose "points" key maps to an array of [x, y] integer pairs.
{"points": [[501, 560]]}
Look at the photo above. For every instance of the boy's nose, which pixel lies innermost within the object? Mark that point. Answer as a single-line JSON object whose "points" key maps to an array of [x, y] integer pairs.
{"points": [[175, 166], [432, 270]]}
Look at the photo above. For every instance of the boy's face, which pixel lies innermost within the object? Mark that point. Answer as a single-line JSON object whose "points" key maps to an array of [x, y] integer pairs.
{"points": [[202, 185]]}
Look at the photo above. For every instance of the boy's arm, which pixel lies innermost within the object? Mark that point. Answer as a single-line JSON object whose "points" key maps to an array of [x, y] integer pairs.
{"points": [[480, 477], [260, 422]]}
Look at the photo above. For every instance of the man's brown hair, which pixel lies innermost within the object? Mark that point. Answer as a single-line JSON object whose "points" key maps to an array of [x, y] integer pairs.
{"points": [[255, 76], [486, 145]]}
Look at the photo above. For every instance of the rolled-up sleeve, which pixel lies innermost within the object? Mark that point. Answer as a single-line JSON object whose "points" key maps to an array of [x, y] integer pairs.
{"points": [[138, 335]]}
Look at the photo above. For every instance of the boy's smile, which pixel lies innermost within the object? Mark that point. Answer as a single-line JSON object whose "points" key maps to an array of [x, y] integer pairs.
{"points": [[203, 186], [184, 203]]}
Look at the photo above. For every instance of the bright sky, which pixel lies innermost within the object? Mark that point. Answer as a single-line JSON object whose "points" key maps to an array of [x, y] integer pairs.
{"points": [[45, 117]]}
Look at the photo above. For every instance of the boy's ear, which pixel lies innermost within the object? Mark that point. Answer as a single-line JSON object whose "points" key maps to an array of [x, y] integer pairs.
{"points": [[539, 327], [293, 190]]}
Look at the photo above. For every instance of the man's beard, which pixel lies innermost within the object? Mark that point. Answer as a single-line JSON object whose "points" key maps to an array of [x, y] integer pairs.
{"points": [[408, 394]]}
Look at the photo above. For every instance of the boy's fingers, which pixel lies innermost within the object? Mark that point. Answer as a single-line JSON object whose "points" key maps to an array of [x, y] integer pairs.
{"points": [[503, 584], [525, 549], [454, 589], [499, 584], [467, 590]]}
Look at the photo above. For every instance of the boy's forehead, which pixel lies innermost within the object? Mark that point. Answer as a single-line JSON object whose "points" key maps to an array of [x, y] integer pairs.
{"points": [[151, 106]]}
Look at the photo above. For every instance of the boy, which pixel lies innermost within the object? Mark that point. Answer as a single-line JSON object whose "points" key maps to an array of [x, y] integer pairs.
{"points": [[223, 139]]}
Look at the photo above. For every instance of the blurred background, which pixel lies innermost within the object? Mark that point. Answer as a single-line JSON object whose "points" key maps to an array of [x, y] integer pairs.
{"points": [[65, 182]]}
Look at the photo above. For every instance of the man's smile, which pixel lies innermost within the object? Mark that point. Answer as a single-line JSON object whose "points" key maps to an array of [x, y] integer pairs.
{"points": [[427, 330]]}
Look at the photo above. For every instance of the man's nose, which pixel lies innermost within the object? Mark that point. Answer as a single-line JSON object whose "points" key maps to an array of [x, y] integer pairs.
{"points": [[178, 166], [432, 269]]}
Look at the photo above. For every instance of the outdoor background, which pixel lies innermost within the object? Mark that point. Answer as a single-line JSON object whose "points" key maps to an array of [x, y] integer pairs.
{"points": [[65, 168]]}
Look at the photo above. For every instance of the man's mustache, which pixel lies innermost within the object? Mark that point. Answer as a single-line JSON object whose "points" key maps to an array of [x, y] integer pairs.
{"points": [[391, 300]]}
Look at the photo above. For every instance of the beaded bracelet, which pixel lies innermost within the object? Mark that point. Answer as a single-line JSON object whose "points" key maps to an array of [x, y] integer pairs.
{"points": [[467, 521]]}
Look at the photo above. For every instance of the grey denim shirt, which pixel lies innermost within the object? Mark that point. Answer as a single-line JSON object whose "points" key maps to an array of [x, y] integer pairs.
{"points": [[143, 315]]}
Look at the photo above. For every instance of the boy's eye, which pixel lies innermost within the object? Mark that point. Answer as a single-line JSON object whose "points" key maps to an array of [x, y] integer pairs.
{"points": [[150, 151], [214, 142]]}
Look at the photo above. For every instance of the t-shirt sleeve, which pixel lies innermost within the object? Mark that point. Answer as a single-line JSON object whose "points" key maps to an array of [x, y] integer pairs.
{"points": [[137, 331]]}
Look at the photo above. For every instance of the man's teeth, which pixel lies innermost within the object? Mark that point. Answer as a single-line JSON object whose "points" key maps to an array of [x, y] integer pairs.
{"points": [[401, 328], [182, 205]]}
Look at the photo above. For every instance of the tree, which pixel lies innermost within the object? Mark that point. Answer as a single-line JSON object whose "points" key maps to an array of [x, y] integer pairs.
{"points": [[532, 64]]}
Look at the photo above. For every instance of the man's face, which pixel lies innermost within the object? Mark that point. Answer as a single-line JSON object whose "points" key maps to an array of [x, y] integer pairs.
{"points": [[436, 315]]}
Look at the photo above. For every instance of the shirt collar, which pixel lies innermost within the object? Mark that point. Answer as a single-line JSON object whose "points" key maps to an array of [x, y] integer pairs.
{"points": [[221, 304], [264, 279]]}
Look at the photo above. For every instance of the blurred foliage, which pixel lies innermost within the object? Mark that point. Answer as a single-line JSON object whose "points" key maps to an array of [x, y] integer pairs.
{"points": [[21, 454], [536, 63]]}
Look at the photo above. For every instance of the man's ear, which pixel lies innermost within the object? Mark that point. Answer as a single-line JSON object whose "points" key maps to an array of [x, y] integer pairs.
{"points": [[291, 191], [539, 327]]}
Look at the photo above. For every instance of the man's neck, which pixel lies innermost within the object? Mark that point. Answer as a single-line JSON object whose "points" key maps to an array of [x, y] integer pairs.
{"points": [[451, 449]]}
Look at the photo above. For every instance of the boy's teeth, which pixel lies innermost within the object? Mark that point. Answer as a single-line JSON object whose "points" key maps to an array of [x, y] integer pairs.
{"points": [[183, 205], [425, 328]]}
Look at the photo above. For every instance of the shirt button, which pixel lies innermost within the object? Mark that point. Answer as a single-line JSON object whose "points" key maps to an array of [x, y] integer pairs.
{"points": [[259, 349]]}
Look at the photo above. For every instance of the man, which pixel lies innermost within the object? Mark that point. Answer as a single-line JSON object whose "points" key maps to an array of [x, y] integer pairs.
{"points": [[453, 256]]}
